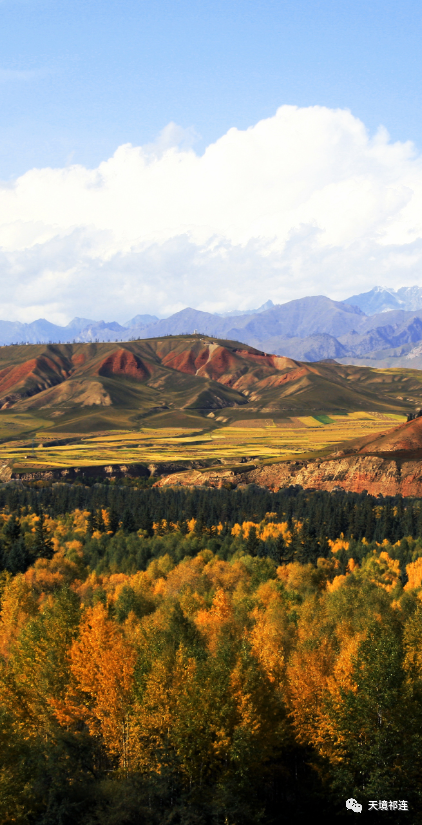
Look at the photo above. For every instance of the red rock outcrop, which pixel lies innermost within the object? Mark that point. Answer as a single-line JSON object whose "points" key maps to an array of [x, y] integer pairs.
{"points": [[43, 370], [188, 361], [78, 359], [29, 378], [374, 474], [123, 362]]}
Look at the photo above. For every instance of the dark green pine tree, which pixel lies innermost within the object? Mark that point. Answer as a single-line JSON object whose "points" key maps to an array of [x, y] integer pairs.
{"points": [[100, 521], [408, 521], [398, 519], [128, 522], [91, 523], [309, 542], [296, 546], [18, 558], [388, 523], [253, 543], [146, 522], [12, 530], [43, 547], [113, 520], [323, 548], [381, 527], [282, 553], [370, 523]]}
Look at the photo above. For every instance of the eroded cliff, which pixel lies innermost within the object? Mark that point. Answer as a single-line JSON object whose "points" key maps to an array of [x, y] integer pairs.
{"points": [[375, 474]]}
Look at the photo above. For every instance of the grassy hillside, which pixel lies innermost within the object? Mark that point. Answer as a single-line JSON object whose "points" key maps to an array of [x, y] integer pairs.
{"points": [[185, 397]]}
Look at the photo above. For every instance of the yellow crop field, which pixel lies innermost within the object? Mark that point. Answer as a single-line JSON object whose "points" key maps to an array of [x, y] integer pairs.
{"points": [[274, 441], [309, 421]]}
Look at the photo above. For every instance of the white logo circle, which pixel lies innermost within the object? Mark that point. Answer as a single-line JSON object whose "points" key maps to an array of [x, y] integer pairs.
{"points": [[352, 805]]}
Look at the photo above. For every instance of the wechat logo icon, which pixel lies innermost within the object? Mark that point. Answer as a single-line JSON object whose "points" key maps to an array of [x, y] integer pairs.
{"points": [[352, 805]]}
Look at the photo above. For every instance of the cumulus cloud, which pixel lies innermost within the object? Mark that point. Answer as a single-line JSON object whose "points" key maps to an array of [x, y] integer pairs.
{"points": [[305, 202]]}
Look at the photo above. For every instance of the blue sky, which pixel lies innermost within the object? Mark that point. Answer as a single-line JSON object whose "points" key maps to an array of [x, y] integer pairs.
{"points": [[158, 154], [80, 77]]}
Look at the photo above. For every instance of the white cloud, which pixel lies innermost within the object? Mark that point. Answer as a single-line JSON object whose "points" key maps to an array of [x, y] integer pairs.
{"points": [[302, 203]]}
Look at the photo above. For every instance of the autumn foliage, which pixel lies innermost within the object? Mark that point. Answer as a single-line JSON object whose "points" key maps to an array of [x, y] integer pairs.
{"points": [[205, 688]]}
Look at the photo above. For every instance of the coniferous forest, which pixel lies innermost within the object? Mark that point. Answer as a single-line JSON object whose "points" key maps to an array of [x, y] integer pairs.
{"points": [[208, 656]]}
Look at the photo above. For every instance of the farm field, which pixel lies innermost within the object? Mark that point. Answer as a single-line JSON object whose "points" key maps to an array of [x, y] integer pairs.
{"points": [[264, 440]]}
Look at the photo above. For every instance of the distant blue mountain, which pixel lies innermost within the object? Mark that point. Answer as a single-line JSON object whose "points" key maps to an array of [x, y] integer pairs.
{"points": [[267, 305], [141, 321], [380, 327], [382, 299], [78, 324], [43, 332]]}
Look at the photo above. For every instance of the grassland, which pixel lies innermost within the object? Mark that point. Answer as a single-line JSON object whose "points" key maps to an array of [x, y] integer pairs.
{"points": [[264, 440]]}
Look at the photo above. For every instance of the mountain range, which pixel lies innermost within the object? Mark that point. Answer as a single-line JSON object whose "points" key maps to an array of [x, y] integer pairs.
{"points": [[380, 328]]}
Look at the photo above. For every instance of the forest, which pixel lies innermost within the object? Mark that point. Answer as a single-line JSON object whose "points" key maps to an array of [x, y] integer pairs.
{"points": [[208, 656]]}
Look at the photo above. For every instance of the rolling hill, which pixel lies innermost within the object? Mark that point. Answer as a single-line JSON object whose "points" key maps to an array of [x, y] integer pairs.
{"points": [[170, 380]]}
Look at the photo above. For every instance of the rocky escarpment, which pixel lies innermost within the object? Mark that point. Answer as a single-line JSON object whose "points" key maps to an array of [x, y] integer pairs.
{"points": [[110, 472], [375, 474]]}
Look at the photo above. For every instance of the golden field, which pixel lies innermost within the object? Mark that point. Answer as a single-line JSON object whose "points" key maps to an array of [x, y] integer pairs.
{"points": [[264, 440]]}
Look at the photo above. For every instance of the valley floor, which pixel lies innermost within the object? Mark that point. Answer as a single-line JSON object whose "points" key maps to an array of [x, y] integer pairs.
{"points": [[257, 441]]}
